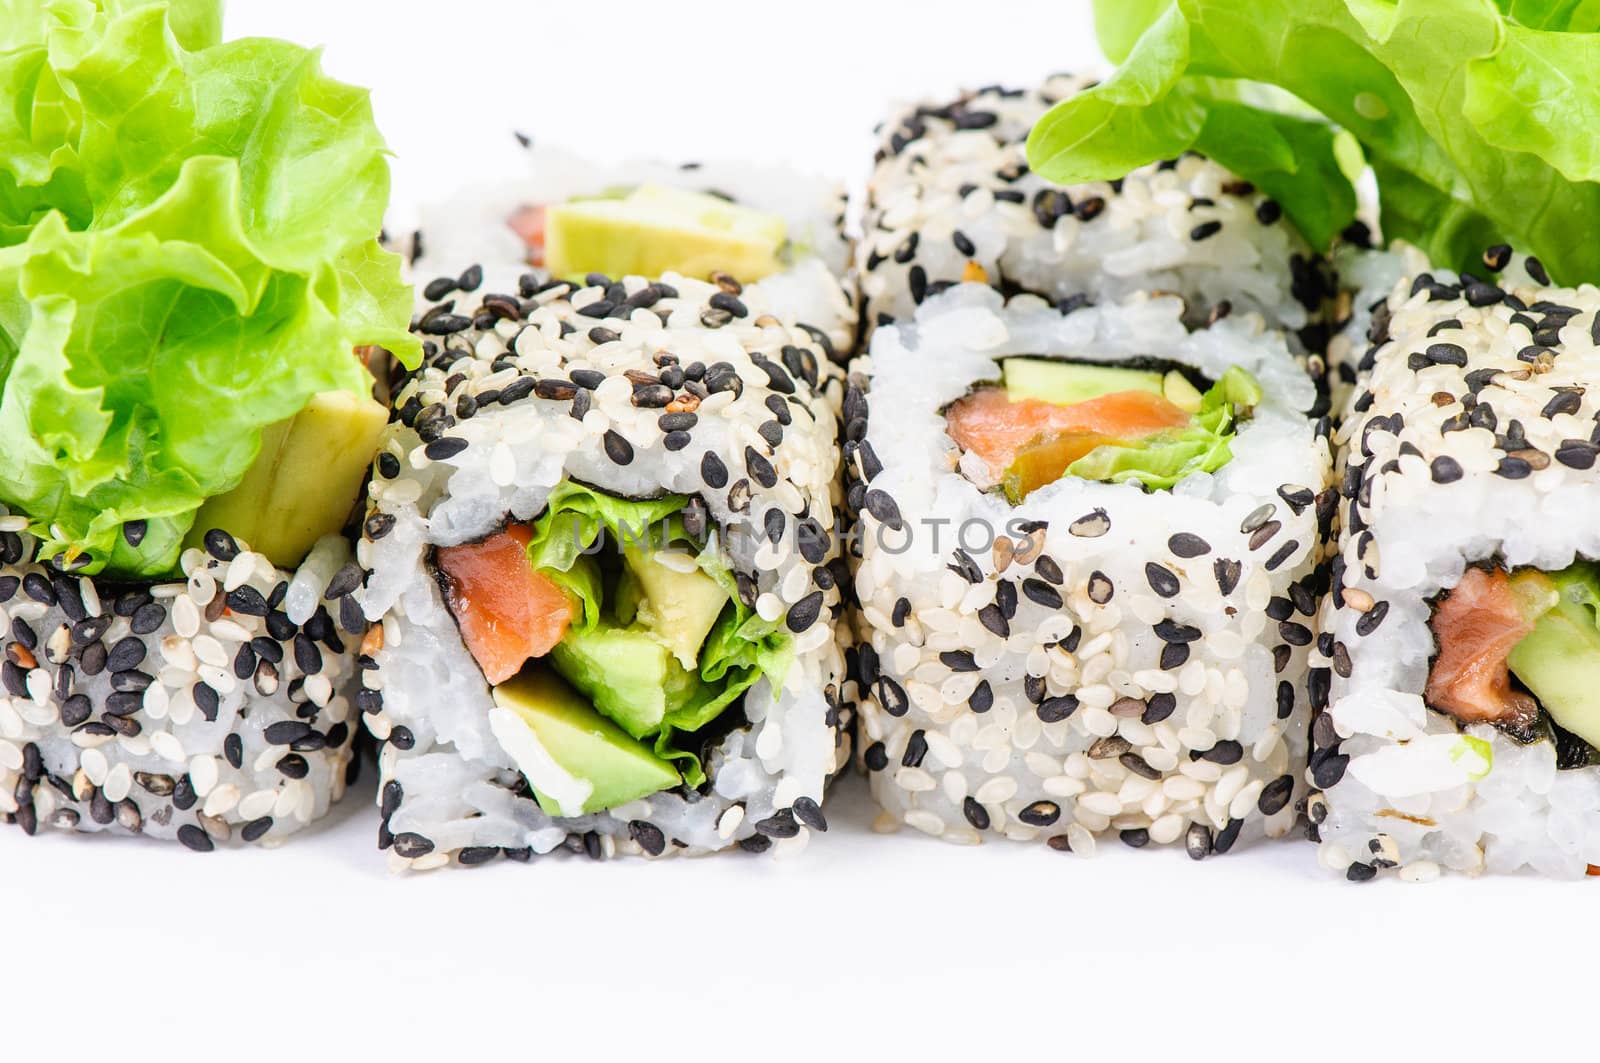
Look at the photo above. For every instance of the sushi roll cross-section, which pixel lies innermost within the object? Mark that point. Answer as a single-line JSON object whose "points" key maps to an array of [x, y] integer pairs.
{"points": [[1460, 647], [1088, 566], [603, 555], [189, 266]]}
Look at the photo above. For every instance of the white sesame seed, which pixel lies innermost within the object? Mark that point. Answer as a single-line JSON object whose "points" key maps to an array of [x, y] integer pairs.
{"points": [[203, 774], [118, 784], [166, 746]]}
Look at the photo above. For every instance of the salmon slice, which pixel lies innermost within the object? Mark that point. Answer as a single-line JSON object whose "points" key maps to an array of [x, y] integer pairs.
{"points": [[507, 610], [1039, 440], [528, 224], [1476, 625]]}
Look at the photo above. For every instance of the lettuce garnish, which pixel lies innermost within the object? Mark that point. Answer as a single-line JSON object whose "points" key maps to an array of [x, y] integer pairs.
{"points": [[1472, 114], [188, 253]]}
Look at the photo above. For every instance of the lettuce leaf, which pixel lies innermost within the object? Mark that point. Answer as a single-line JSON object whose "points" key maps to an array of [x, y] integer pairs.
{"points": [[1472, 113], [1162, 460], [741, 647], [1160, 103], [187, 254]]}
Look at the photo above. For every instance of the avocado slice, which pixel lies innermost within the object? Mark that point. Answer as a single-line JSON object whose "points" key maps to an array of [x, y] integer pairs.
{"points": [[1560, 659], [679, 607], [305, 480], [1064, 383], [1175, 387], [629, 675], [655, 230], [575, 760]]}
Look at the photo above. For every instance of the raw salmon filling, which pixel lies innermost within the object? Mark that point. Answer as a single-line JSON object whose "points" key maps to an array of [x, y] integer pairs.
{"points": [[1049, 419], [1520, 650]]}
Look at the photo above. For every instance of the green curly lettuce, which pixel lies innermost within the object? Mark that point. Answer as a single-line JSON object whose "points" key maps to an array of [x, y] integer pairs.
{"points": [[1474, 114], [188, 254]]}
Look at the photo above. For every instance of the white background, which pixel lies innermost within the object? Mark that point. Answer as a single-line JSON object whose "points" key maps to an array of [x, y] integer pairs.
{"points": [[889, 945]]}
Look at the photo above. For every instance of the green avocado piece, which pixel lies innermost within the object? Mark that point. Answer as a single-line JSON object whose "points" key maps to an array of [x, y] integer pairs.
{"points": [[629, 675], [1560, 659], [655, 230], [1175, 387], [305, 479], [1064, 383], [625, 601], [679, 607], [575, 760]]}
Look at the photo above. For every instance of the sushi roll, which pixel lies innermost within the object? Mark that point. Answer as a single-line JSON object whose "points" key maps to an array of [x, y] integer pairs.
{"points": [[1459, 651], [1088, 568], [952, 199], [185, 425], [602, 552], [570, 217], [213, 708]]}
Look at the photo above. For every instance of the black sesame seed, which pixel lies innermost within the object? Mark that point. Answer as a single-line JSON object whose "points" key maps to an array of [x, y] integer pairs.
{"points": [[195, 838], [1040, 813], [975, 813], [1577, 453], [1445, 469], [292, 766], [883, 507], [1159, 707], [247, 601], [804, 613], [1056, 709], [648, 837], [147, 619], [1205, 230], [1185, 544], [287, 732], [761, 469], [128, 652], [713, 471], [917, 282], [916, 749], [233, 750], [1161, 579], [1172, 631], [220, 545], [1041, 593], [410, 845], [1227, 572], [76, 709], [1045, 568], [1513, 468], [445, 447], [1372, 618], [38, 587]]}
